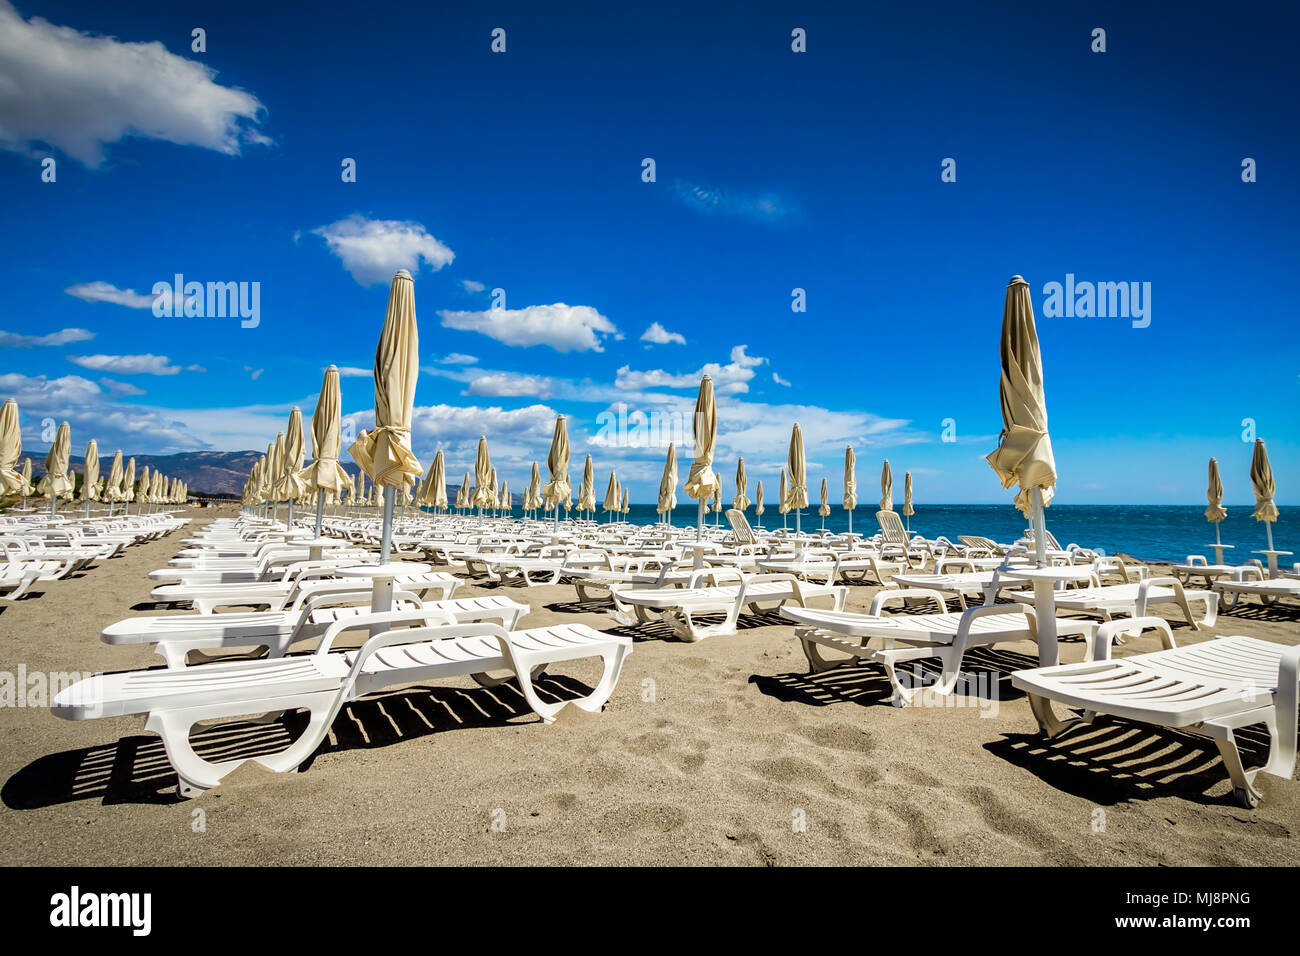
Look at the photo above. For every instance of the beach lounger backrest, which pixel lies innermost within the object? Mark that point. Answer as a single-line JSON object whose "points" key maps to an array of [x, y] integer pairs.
{"points": [[891, 527], [740, 527]]}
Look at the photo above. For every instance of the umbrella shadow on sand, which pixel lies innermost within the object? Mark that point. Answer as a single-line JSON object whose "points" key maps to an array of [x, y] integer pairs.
{"points": [[135, 769], [1112, 761]]}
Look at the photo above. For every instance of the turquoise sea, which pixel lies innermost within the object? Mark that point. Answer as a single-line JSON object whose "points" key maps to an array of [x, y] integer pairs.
{"points": [[1148, 532]]}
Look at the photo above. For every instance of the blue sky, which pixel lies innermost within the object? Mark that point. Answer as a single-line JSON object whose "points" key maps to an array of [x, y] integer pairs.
{"points": [[775, 171]]}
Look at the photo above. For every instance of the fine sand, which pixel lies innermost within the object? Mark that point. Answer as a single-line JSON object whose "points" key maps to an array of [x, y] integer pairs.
{"points": [[722, 752]]}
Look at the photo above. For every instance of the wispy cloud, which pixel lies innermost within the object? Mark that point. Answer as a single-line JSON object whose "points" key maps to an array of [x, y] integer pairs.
{"points": [[353, 371], [107, 292], [779, 380], [715, 201], [658, 335], [730, 379], [372, 250], [13, 340], [565, 328], [78, 93], [146, 364], [469, 285]]}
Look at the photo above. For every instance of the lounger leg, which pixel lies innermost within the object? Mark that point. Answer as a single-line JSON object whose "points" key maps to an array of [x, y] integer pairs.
{"points": [[1211, 610], [1242, 779], [812, 650], [593, 702], [1048, 722], [487, 680]]}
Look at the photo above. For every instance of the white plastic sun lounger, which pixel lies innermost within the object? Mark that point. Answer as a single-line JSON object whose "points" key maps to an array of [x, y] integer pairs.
{"points": [[17, 579], [680, 606], [206, 598], [323, 682], [1269, 591], [910, 637], [983, 585], [174, 636], [1211, 689], [1134, 599]]}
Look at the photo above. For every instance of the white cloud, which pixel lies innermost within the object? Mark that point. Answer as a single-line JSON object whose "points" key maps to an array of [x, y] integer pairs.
{"points": [[107, 292], [730, 379], [352, 371], [565, 328], [510, 384], [254, 373], [77, 93], [146, 364], [13, 340], [779, 380], [374, 249], [123, 389], [715, 201], [469, 285], [658, 335], [457, 358]]}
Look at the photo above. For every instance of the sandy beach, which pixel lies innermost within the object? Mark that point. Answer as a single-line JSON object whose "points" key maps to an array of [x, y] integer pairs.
{"points": [[722, 752]]}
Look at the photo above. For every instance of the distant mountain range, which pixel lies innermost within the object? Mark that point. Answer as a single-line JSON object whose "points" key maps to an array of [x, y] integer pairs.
{"points": [[205, 472]]}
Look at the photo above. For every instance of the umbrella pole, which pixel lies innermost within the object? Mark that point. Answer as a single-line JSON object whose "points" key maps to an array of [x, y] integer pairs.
{"points": [[798, 527], [386, 539], [289, 520], [54, 499], [1040, 530], [320, 510], [850, 521]]}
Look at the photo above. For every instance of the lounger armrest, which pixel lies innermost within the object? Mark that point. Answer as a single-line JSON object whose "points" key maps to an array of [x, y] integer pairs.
{"points": [[1132, 626], [884, 597], [714, 574]]}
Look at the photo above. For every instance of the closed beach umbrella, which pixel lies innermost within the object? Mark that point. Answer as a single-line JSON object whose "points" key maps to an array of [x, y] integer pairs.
{"points": [[494, 497], [113, 487], [701, 481], [506, 504], [90, 480], [142, 488], [587, 493], [26, 475], [275, 471], [128, 481], [1024, 453], [533, 497], [740, 502], [611, 502], [292, 486], [482, 496], [908, 510], [558, 490], [758, 502], [717, 499], [11, 446], [824, 509], [386, 454], [1261, 479], [668, 485], [850, 483], [1214, 495], [886, 487], [462, 496], [57, 483], [783, 498], [437, 497], [798, 490], [325, 476]]}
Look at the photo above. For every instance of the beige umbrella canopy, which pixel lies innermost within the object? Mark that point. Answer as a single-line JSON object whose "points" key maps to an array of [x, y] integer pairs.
{"points": [[557, 490], [824, 509], [482, 497], [886, 487], [740, 502], [385, 454], [701, 482], [533, 496], [436, 497], [611, 501], [57, 483], [1214, 495], [504, 503], [783, 496], [325, 476], [462, 495], [496, 493], [128, 481], [160, 487], [1261, 480], [90, 480], [113, 489], [291, 485], [587, 493], [1024, 452], [758, 500], [797, 493], [908, 510], [11, 446], [360, 496], [280, 451], [717, 495], [626, 507], [668, 484], [850, 500], [142, 487]]}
